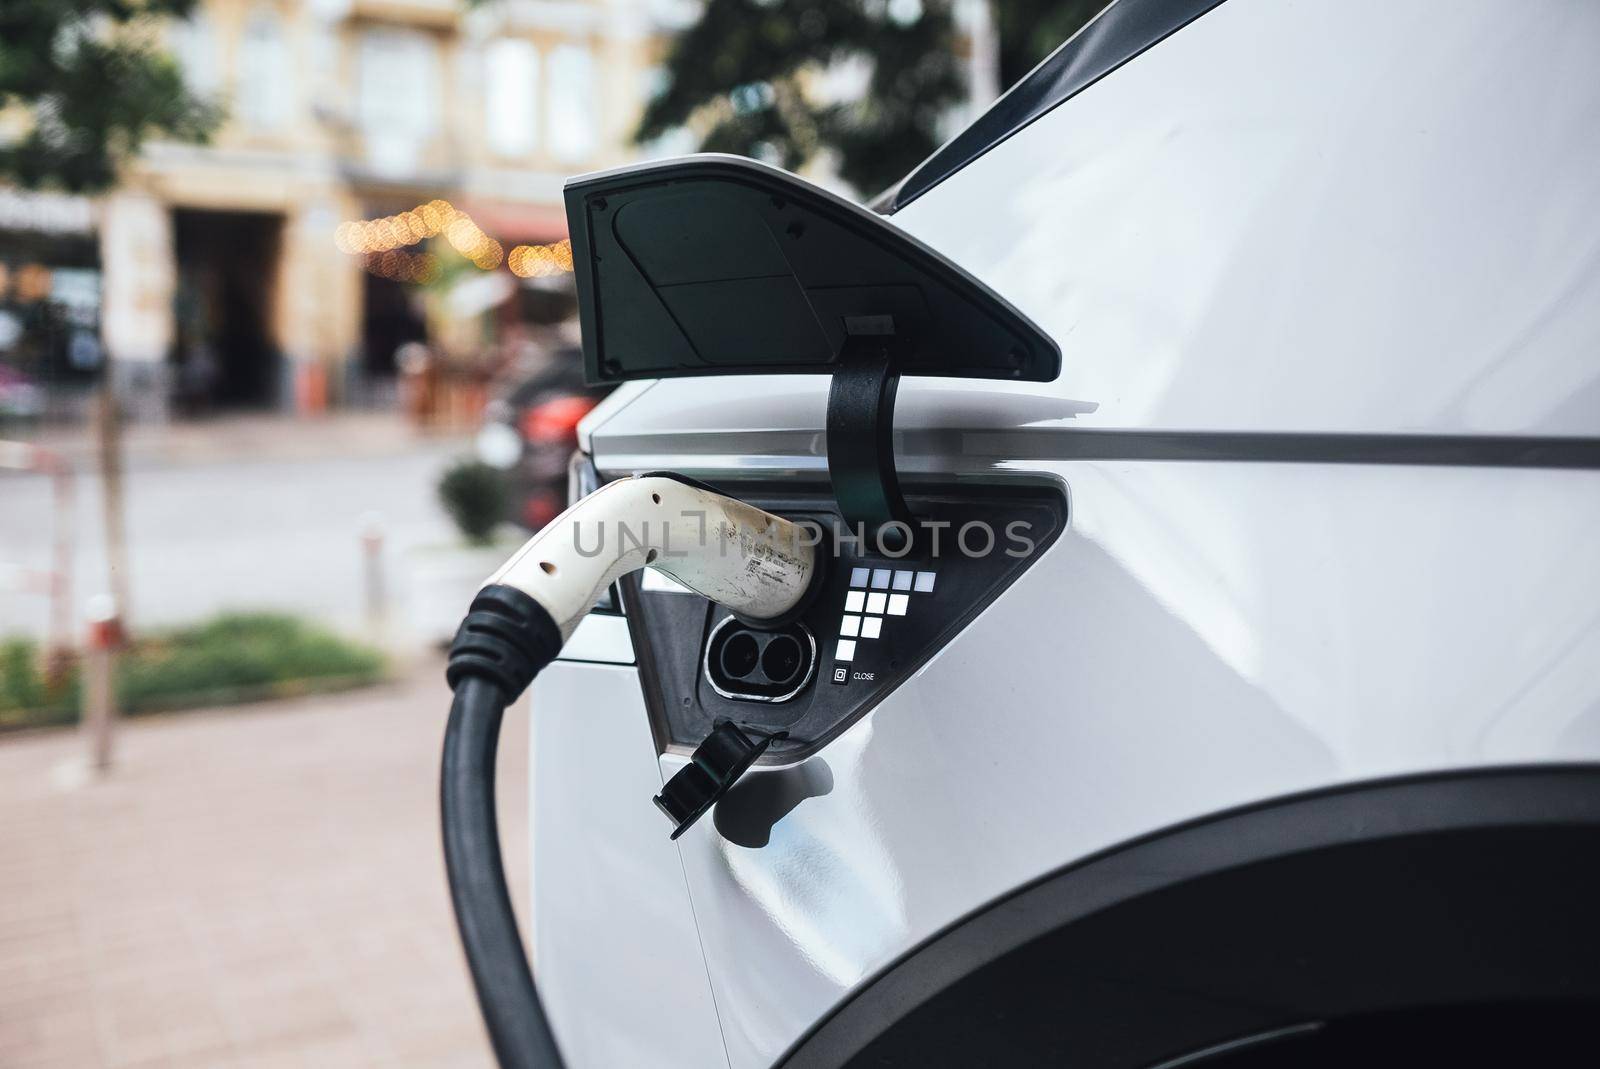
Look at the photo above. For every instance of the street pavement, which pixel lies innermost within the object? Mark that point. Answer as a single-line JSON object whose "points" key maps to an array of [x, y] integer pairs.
{"points": [[246, 512], [257, 886]]}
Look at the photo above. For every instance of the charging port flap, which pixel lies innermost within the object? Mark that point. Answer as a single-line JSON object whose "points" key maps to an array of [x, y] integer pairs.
{"points": [[719, 265]]}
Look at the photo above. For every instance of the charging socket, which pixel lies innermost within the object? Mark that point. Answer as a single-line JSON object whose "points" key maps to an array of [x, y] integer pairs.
{"points": [[749, 664]]}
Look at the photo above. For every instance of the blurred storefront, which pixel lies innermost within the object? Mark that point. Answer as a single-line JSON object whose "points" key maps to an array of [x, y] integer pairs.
{"points": [[50, 300], [215, 276]]}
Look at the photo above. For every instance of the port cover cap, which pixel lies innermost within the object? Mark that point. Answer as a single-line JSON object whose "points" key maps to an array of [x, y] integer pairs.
{"points": [[716, 765]]}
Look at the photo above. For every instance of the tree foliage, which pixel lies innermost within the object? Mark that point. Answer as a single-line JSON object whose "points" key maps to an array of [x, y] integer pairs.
{"points": [[748, 77], [751, 76], [476, 497], [1030, 30], [93, 85]]}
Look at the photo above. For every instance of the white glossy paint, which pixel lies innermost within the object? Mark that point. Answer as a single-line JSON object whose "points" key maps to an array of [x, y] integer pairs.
{"points": [[601, 637], [614, 402], [1340, 216], [1359, 217], [1204, 636], [1311, 216], [615, 947]]}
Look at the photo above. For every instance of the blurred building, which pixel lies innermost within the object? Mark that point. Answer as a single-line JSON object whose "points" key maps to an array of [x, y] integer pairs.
{"points": [[49, 301], [214, 266]]}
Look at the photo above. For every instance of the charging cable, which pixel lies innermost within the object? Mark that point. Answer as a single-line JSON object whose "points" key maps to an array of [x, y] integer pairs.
{"points": [[762, 567]]}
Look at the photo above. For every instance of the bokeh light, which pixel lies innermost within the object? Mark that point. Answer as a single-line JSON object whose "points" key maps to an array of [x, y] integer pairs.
{"points": [[377, 240], [540, 261]]}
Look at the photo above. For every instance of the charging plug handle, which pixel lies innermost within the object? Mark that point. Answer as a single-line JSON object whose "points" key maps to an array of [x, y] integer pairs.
{"points": [[745, 559]]}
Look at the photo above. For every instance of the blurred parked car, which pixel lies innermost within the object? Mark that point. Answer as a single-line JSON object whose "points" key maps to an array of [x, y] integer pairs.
{"points": [[531, 432]]}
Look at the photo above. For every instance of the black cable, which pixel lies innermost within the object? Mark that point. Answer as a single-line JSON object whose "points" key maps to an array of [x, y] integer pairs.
{"points": [[502, 644], [511, 1007]]}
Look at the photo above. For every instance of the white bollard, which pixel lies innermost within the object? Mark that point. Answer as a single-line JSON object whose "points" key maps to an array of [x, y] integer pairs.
{"points": [[376, 590], [99, 669]]}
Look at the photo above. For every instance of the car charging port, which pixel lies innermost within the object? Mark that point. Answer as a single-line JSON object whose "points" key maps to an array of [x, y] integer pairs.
{"points": [[745, 663]]}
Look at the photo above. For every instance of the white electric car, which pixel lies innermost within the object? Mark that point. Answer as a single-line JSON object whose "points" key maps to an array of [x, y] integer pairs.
{"points": [[1275, 325]]}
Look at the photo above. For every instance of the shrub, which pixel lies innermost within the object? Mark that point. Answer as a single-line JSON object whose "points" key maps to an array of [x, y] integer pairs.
{"points": [[475, 496], [255, 653], [230, 658], [23, 685]]}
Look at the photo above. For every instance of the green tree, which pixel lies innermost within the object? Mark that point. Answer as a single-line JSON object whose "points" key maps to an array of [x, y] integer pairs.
{"points": [[750, 78], [747, 77], [92, 84], [1030, 30]]}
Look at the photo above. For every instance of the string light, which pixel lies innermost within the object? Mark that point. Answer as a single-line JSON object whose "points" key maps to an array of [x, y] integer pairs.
{"points": [[359, 236], [538, 261], [474, 244], [402, 266], [379, 241]]}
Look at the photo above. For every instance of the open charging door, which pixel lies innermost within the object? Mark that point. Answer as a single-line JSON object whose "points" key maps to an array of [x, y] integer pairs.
{"points": [[718, 265], [714, 265]]}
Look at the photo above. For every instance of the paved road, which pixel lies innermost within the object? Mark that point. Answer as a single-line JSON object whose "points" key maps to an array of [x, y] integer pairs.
{"points": [[260, 886], [247, 514]]}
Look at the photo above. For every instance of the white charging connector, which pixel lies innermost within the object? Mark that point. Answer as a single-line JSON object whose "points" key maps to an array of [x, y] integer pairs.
{"points": [[757, 564]]}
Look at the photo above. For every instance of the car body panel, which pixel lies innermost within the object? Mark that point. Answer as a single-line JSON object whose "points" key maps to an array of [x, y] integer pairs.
{"points": [[1247, 230], [612, 928], [1281, 251], [1203, 636], [1312, 217]]}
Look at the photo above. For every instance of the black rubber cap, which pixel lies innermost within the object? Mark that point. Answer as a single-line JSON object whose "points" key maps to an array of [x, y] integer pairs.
{"points": [[506, 638], [716, 765]]}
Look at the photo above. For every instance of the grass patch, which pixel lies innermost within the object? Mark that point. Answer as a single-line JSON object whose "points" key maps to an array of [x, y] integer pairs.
{"points": [[230, 658]]}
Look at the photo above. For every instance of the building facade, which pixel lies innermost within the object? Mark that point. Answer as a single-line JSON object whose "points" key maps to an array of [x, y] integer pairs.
{"points": [[213, 276], [223, 284]]}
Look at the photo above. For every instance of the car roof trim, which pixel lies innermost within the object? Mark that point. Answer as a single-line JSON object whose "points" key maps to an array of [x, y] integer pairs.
{"points": [[1121, 32]]}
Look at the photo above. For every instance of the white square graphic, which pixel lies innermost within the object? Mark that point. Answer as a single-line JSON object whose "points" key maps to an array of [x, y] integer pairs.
{"points": [[854, 600], [858, 576], [925, 582], [845, 650], [875, 602], [897, 604], [903, 580], [880, 578], [850, 626], [871, 627]]}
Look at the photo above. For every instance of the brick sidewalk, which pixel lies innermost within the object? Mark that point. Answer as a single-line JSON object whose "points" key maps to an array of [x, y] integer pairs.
{"points": [[259, 886]]}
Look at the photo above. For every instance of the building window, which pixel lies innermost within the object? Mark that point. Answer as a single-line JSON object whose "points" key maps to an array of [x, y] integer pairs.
{"points": [[511, 96], [397, 97], [265, 86], [572, 103], [676, 141], [194, 44], [674, 14]]}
